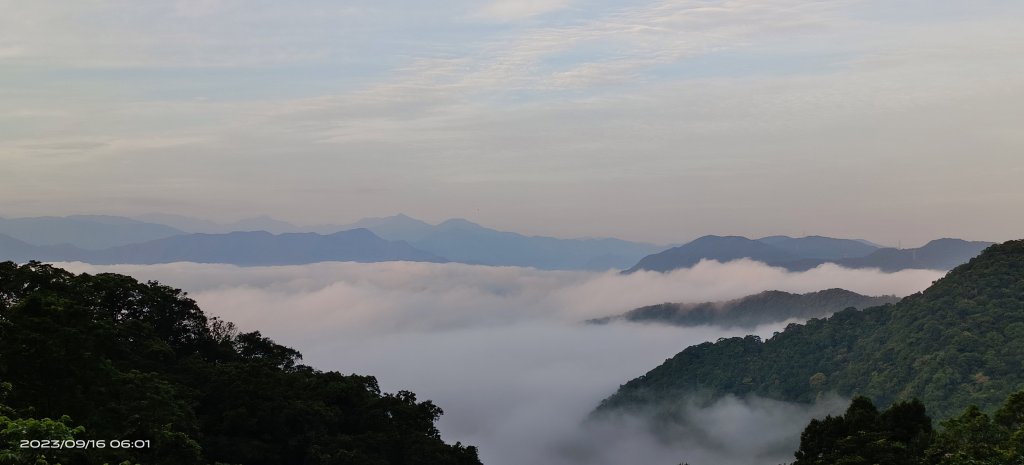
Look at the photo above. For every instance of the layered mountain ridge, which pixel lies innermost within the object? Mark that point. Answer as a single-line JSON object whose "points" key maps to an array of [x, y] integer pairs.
{"points": [[753, 310], [958, 343], [238, 248], [801, 254], [110, 239]]}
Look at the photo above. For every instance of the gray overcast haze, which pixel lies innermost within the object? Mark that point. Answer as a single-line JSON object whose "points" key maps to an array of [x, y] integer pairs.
{"points": [[647, 120]]}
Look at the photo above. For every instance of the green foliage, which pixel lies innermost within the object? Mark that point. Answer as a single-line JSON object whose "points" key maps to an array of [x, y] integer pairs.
{"points": [[140, 361], [960, 342], [975, 438], [902, 435], [863, 435], [14, 430]]}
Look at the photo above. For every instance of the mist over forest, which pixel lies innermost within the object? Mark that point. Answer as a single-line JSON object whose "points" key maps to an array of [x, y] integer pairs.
{"points": [[505, 351]]}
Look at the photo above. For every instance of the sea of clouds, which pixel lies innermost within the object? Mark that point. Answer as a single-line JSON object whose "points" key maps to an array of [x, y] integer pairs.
{"points": [[503, 351]]}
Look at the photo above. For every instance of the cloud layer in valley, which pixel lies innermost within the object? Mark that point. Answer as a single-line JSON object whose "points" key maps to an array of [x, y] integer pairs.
{"points": [[502, 350]]}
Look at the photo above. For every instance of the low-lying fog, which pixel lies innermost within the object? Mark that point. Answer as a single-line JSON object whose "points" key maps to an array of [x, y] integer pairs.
{"points": [[502, 350]]}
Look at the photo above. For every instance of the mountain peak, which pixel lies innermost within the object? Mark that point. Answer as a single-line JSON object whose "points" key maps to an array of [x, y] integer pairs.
{"points": [[403, 219], [459, 223], [945, 241], [713, 237], [720, 248]]}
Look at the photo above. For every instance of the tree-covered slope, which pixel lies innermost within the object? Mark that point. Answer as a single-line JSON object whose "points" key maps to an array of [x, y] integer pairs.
{"points": [[133, 361], [903, 434], [958, 343], [752, 310]]}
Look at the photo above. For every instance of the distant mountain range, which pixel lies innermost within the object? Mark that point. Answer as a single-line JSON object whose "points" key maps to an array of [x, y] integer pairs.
{"points": [[263, 248], [818, 247], [752, 311], [800, 254], [237, 248], [940, 254], [254, 240], [156, 238], [257, 223], [84, 231], [399, 227], [463, 241], [20, 251]]}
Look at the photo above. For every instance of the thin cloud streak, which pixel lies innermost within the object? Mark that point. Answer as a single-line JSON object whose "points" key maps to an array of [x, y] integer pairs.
{"points": [[512, 10]]}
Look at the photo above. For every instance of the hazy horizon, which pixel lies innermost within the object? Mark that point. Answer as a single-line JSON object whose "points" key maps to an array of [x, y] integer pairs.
{"points": [[309, 226], [657, 121]]}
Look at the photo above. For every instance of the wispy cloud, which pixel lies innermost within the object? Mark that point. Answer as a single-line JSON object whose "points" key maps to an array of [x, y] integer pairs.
{"points": [[221, 103], [511, 10]]}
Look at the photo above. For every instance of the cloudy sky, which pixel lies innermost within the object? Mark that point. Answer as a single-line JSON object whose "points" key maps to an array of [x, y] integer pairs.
{"points": [[653, 120]]}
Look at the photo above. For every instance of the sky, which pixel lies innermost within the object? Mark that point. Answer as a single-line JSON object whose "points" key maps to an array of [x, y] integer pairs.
{"points": [[661, 121]]}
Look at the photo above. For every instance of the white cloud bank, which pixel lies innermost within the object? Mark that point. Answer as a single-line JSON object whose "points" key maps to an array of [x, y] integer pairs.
{"points": [[501, 350]]}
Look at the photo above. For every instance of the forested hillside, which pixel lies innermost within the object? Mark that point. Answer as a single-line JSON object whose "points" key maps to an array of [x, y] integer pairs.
{"points": [[960, 342], [108, 358], [904, 434]]}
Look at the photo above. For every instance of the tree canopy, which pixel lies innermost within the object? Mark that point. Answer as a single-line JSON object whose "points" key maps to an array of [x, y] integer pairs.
{"points": [[903, 435], [107, 357]]}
